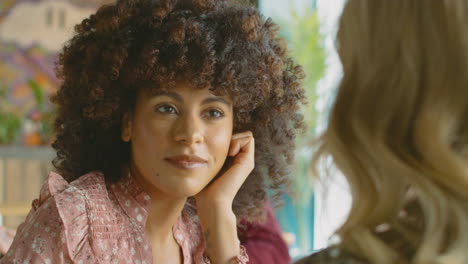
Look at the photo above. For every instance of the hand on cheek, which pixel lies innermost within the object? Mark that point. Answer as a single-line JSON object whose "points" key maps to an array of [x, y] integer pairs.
{"points": [[225, 187], [214, 203]]}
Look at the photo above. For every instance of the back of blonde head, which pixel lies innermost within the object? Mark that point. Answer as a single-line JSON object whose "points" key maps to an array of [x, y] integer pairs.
{"points": [[399, 129]]}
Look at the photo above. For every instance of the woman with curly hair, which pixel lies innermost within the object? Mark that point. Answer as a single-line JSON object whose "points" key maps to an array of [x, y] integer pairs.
{"points": [[398, 131], [158, 110]]}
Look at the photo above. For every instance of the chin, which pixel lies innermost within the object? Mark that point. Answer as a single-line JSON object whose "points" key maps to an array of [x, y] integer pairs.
{"points": [[187, 189], [185, 192], [186, 183]]}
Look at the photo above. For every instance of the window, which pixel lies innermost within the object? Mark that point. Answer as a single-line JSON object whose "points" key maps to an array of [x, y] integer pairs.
{"points": [[309, 27], [62, 18], [49, 16]]}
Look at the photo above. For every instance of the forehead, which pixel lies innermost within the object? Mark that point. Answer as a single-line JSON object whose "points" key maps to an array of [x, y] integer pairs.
{"points": [[182, 88]]}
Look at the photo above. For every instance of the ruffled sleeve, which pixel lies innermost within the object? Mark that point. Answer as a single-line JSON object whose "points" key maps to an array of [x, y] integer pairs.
{"points": [[56, 228]]}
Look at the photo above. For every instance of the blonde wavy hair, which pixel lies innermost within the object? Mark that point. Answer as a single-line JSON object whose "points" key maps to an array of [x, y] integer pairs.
{"points": [[398, 130]]}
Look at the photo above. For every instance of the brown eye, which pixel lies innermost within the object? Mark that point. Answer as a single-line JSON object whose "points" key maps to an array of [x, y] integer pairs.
{"points": [[166, 109], [214, 114]]}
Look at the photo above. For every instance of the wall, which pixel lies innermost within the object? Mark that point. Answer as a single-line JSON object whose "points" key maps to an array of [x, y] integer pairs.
{"points": [[32, 32]]}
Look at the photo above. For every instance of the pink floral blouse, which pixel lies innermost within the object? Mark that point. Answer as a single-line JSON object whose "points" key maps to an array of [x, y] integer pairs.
{"points": [[91, 221]]}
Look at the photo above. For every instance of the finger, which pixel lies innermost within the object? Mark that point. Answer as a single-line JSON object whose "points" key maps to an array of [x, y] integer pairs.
{"points": [[242, 134], [239, 144], [245, 157], [234, 148], [236, 144], [239, 169]]}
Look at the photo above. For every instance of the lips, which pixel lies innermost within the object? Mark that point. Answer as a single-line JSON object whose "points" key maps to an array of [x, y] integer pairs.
{"points": [[187, 161]]}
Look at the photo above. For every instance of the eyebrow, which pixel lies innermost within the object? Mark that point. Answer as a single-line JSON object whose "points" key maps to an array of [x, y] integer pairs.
{"points": [[216, 100], [179, 98], [173, 95]]}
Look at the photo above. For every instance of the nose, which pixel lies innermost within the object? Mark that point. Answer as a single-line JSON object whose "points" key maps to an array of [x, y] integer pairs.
{"points": [[188, 130]]}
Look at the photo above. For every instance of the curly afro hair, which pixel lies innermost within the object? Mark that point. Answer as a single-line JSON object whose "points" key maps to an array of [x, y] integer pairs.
{"points": [[133, 44]]}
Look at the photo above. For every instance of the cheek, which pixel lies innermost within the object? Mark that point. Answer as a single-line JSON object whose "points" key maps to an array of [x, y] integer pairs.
{"points": [[219, 141], [151, 129], [150, 138]]}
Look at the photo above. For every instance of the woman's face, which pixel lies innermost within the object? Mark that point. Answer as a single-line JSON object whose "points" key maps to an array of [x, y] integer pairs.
{"points": [[179, 139]]}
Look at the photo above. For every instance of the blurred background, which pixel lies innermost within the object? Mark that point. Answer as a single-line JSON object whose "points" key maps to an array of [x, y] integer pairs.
{"points": [[32, 33]]}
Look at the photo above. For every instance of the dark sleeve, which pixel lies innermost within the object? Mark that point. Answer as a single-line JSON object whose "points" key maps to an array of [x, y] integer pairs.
{"points": [[263, 241]]}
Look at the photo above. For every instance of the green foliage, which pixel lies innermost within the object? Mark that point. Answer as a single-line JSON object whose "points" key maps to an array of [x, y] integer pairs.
{"points": [[47, 129], [47, 116], [37, 91], [10, 124], [302, 33]]}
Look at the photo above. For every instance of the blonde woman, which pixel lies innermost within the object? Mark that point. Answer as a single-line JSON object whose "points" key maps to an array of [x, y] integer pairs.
{"points": [[398, 131]]}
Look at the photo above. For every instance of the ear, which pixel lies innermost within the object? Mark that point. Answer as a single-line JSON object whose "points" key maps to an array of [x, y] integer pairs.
{"points": [[126, 133]]}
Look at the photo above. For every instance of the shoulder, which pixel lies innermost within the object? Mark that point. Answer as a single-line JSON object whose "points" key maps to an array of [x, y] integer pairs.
{"points": [[71, 200], [92, 183], [58, 221], [56, 186], [68, 199], [331, 255]]}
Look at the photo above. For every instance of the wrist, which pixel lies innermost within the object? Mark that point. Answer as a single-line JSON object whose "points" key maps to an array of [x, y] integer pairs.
{"points": [[213, 214], [219, 227]]}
